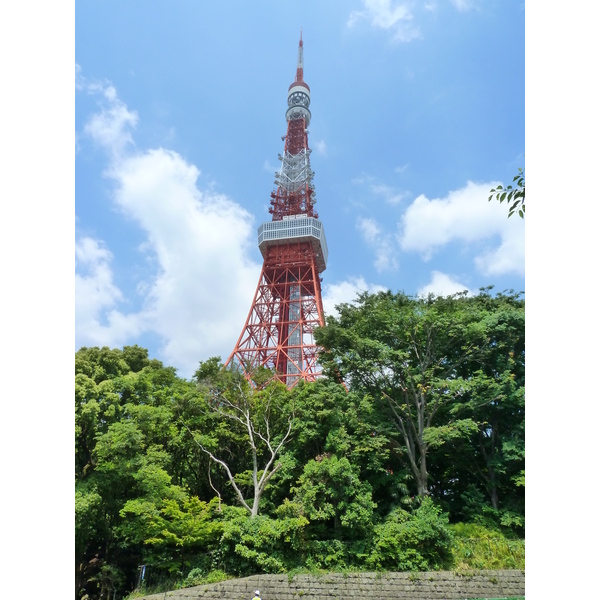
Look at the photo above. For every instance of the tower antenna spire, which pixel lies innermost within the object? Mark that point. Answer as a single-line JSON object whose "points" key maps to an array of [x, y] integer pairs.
{"points": [[287, 305], [300, 66]]}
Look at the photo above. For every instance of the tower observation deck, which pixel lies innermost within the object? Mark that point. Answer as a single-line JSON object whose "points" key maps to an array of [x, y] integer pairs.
{"points": [[287, 305]]}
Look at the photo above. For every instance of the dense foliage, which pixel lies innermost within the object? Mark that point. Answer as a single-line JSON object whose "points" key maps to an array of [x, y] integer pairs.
{"points": [[417, 463]]}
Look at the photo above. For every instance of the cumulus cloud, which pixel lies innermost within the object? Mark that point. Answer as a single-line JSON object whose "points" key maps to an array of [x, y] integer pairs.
{"points": [[387, 15], [346, 291], [465, 215], [506, 258], [96, 296], [198, 297], [94, 285], [110, 127], [442, 284], [382, 244], [201, 294]]}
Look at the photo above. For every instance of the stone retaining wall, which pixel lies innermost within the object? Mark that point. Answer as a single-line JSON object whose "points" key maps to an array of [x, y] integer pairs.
{"points": [[435, 585]]}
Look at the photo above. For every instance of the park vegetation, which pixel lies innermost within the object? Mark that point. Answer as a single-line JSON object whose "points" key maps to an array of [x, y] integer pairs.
{"points": [[407, 455]]}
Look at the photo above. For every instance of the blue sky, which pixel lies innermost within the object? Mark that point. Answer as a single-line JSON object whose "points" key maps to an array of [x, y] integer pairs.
{"points": [[417, 111]]}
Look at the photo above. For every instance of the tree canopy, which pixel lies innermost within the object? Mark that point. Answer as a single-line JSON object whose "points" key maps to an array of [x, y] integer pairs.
{"points": [[448, 372], [215, 474]]}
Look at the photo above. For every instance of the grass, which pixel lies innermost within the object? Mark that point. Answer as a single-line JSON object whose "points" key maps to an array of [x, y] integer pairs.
{"points": [[476, 548], [196, 577]]}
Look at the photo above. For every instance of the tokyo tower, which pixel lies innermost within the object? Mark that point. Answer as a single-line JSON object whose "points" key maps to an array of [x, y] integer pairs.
{"points": [[287, 305]]}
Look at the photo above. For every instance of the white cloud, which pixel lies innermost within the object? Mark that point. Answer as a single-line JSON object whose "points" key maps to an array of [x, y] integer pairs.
{"points": [[110, 128], [198, 298], [466, 215], [382, 244], [508, 257], [442, 284], [346, 291], [96, 296], [384, 14]]}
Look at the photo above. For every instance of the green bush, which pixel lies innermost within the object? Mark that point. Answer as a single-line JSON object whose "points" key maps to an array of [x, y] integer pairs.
{"points": [[260, 544], [334, 499], [417, 541], [335, 555], [325, 555]]}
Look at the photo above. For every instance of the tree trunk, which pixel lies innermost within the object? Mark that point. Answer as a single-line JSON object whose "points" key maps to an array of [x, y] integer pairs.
{"points": [[255, 504], [494, 496], [423, 475], [491, 485]]}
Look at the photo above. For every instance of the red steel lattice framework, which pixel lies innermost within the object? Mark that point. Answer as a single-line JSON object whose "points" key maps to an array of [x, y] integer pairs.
{"points": [[287, 305]]}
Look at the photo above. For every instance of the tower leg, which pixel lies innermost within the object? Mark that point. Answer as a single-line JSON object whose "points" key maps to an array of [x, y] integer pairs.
{"points": [[287, 307]]}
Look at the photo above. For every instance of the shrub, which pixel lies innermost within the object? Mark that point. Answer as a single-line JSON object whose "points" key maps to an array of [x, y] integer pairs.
{"points": [[261, 544], [412, 541]]}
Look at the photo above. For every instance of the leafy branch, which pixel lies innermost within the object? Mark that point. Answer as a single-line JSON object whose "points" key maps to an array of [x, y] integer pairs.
{"points": [[514, 196]]}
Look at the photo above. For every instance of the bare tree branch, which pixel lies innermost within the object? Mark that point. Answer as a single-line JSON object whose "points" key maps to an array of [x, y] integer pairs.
{"points": [[225, 466], [244, 413]]}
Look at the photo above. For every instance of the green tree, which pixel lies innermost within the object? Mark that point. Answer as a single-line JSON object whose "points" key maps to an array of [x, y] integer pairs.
{"points": [[422, 359], [482, 476], [125, 432], [331, 420], [260, 419], [330, 491], [340, 510]]}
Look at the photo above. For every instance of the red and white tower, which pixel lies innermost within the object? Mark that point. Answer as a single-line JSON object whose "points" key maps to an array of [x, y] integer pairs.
{"points": [[287, 305]]}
